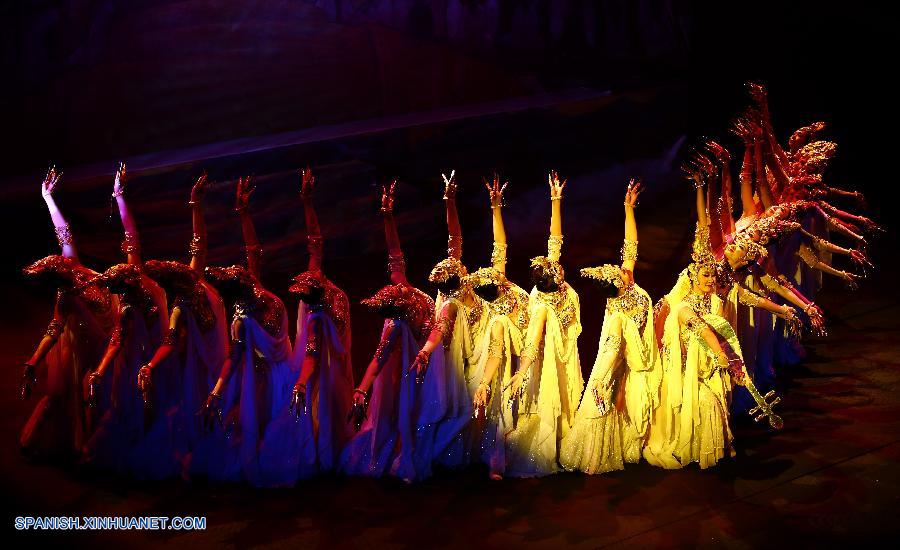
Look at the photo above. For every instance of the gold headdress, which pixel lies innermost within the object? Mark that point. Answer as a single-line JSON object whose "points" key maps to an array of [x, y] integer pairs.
{"points": [[702, 254], [484, 276], [813, 157], [446, 268], [605, 272], [413, 306], [551, 267]]}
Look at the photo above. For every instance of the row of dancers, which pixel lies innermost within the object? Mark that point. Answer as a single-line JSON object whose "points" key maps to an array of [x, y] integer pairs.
{"points": [[146, 377]]}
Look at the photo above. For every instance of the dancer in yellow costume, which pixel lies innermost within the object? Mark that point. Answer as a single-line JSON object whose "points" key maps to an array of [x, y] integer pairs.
{"points": [[613, 420], [549, 379], [701, 358]]}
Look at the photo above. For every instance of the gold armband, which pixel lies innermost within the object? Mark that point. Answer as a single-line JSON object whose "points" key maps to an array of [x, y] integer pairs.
{"points": [[809, 257], [54, 329], [498, 253], [130, 243], [63, 235], [396, 263], [454, 246], [197, 245], [629, 251], [554, 247], [749, 298]]}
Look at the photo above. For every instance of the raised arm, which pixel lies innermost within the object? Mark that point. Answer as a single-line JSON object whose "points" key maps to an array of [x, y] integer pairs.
{"points": [[743, 130], [454, 231], [63, 232], [198, 240], [630, 246], [760, 96], [498, 254], [396, 262], [556, 194], [131, 245], [313, 233], [724, 206], [51, 336], [762, 180], [245, 188]]}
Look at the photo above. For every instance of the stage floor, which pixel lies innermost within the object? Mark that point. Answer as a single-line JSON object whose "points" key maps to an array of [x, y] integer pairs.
{"points": [[830, 476]]}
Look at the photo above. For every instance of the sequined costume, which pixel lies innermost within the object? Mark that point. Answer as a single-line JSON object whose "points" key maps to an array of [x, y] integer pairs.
{"points": [[198, 332], [554, 382], [627, 363], [692, 421], [257, 384], [140, 325], [296, 446], [397, 437], [501, 340], [83, 319]]}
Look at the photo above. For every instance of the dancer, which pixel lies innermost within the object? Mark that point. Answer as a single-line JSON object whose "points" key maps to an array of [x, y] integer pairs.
{"points": [[176, 380], [459, 320], [549, 376], [613, 419], [83, 319], [255, 380], [140, 324], [701, 360], [496, 355], [397, 435], [309, 431]]}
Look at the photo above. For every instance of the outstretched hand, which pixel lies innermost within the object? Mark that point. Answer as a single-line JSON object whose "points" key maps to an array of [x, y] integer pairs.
{"points": [[720, 152], [307, 183], [48, 186], [200, 187], [449, 186], [387, 197], [495, 190], [758, 93], [245, 188], [119, 180], [633, 192], [556, 187]]}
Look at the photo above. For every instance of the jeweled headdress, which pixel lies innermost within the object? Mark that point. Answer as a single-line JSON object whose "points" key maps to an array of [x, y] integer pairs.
{"points": [[551, 267], [813, 157], [483, 277], [446, 268], [185, 282], [414, 306], [173, 275], [701, 253], [119, 277], [605, 272], [307, 281], [72, 278], [234, 273]]}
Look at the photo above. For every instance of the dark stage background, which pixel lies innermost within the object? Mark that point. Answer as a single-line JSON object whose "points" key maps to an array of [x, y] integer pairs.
{"points": [[368, 90]]}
